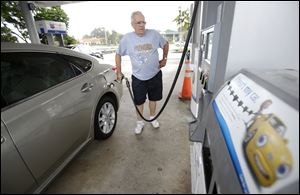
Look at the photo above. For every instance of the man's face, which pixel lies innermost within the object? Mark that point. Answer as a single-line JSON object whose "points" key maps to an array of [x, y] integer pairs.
{"points": [[139, 25]]}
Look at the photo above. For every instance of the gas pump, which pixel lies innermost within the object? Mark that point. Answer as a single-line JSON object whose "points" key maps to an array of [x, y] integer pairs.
{"points": [[196, 90], [235, 36], [205, 64]]}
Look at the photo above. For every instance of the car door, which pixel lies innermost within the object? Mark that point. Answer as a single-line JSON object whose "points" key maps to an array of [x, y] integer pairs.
{"points": [[15, 176], [50, 111]]}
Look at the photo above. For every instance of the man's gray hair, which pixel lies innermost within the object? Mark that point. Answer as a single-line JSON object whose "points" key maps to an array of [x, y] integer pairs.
{"points": [[134, 14]]}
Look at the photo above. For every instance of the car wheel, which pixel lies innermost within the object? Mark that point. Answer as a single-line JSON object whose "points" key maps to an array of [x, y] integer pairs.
{"points": [[105, 118]]}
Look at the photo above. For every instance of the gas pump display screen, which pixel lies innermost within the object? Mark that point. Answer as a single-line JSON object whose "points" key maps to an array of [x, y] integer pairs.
{"points": [[208, 43], [209, 46], [261, 133]]}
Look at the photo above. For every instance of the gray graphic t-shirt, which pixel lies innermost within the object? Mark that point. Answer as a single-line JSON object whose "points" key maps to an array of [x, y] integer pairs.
{"points": [[142, 52]]}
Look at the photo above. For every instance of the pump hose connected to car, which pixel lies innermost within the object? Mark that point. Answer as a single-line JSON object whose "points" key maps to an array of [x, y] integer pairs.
{"points": [[178, 70]]}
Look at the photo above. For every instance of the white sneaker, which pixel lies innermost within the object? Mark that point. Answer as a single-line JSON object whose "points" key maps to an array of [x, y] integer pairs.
{"points": [[154, 123], [139, 127]]}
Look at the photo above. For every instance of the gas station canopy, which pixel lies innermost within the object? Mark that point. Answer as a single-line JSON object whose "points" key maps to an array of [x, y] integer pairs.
{"points": [[44, 4]]}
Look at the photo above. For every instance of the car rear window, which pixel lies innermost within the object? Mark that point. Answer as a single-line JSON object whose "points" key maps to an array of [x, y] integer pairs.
{"points": [[24, 74], [83, 64]]}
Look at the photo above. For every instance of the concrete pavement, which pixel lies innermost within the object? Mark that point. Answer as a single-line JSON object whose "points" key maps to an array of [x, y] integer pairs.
{"points": [[157, 161]]}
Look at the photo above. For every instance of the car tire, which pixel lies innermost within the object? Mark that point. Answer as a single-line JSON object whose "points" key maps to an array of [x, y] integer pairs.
{"points": [[105, 118]]}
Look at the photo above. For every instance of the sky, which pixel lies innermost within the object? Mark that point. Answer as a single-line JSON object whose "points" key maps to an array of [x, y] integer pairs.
{"points": [[116, 15]]}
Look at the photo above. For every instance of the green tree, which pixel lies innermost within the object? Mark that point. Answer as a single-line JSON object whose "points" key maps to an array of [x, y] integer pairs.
{"points": [[98, 32], [6, 35], [183, 22], [54, 13], [111, 37], [70, 40], [12, 23], [86, 36], [114, 38]]}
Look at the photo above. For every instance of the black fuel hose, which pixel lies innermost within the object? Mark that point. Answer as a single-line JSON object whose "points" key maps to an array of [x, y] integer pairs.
{"points": [[178, 70]]}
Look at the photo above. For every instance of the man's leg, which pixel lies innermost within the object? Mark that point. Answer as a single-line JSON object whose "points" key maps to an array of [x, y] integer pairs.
{"points": [[141, 109], [139, 123], [152, 107], [139, 91], [154, 94]]}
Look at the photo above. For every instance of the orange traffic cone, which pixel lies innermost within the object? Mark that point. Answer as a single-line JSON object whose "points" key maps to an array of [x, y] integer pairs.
{"points": [[186, 91]]}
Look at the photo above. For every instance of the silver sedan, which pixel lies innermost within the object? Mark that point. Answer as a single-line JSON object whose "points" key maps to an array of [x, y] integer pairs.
{"points": [[54, 101]]}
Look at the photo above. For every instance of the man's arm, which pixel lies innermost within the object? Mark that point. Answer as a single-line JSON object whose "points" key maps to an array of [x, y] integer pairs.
{"points": [[163, 62], [118, 65]]}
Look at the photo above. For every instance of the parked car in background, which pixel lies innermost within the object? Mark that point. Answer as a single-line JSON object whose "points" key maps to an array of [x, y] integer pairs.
{"points": [[54, 101], [87, 50], [179, 46]]}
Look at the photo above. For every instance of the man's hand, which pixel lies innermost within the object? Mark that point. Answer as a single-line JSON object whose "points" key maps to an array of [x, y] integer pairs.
{"points": [[120, 76], [162, 62]]}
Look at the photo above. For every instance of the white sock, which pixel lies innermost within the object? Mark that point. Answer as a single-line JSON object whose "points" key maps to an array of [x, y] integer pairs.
{"points": [[139, 122]]}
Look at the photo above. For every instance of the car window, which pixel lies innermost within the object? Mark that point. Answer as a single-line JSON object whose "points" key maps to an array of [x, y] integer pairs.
{"points": [[26, 74], [83, 64]]}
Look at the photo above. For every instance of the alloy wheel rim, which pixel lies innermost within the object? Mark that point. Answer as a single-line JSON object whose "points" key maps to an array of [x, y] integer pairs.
{"points": [[106, 118]]}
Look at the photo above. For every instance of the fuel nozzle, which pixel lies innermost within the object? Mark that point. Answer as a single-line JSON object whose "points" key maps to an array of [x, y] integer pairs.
{"points": [[120, 81]]}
